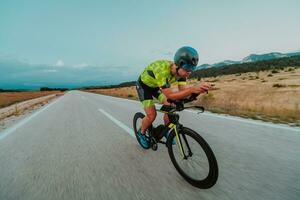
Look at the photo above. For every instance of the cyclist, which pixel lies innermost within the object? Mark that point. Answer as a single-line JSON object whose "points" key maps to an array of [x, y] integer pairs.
{"points": [[155, 82]]}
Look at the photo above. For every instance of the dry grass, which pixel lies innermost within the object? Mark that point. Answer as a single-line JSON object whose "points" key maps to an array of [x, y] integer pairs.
{"points": [[257, 95], [9, 98], [25, 107], [124, 92]]}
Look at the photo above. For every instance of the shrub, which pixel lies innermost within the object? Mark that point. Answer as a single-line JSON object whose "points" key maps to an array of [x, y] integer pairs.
{"points": [[253, 77], [282, 79], [278, 85], [291, 69]]}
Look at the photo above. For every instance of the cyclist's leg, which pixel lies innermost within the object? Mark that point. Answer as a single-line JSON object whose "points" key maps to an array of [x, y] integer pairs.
{"points": [[149, 118], [166, 119], [162, 99], [145, 95]]}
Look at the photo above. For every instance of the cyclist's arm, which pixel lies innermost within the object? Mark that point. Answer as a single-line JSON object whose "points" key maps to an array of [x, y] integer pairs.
{"points": [[183, 87], [177, 95], [181, 94], [182, 84]]}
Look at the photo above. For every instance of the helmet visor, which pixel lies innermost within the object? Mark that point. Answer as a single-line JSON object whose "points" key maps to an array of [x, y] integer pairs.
{"points": [[189, 67]]}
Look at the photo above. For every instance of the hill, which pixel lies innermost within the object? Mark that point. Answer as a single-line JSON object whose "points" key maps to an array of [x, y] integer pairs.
{"points": [[275, 64]]}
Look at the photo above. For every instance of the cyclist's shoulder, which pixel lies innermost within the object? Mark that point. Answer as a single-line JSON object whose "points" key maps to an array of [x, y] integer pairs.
{"points": [[161, 63]]}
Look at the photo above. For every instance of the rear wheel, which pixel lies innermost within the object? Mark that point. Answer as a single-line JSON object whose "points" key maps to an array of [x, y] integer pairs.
{"points": [[137, 124], [197, 163]]}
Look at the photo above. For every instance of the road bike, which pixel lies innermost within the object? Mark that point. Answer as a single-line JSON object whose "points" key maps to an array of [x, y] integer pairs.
{"points": [[189, 152]]}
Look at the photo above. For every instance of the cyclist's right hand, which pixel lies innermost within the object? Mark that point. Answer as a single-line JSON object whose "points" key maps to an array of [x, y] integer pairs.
{"points": [[201, 88]]}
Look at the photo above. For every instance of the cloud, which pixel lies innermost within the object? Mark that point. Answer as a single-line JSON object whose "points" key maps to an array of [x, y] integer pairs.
{"points": [[18, 75], [50, 70], [81, 65], [60, 63]]}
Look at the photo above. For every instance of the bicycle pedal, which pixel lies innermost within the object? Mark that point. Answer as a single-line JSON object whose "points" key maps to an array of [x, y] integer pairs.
{"points": [[154, 147]]}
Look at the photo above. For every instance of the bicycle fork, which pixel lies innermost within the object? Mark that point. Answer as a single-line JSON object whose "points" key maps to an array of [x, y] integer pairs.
{"points": [[179, 141]]}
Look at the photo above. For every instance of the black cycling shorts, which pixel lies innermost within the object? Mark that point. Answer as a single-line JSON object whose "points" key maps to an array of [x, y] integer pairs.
{"points": [[147, 93]]}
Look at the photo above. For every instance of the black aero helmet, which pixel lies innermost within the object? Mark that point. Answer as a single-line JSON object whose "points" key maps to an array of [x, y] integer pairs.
{"points": [[186, 58]]}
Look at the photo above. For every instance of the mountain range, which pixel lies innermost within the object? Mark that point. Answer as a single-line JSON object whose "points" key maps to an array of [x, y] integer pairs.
{"points": [[250, 58]]}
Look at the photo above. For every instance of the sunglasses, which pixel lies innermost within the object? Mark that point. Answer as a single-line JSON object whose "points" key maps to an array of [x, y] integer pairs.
{"points": [[188, 68]]}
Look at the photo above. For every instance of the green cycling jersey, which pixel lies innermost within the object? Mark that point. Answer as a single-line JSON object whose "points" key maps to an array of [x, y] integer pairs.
{"points": [[158, 75]]}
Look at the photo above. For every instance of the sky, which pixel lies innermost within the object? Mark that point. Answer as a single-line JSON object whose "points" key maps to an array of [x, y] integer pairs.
{"points": [[55, 43]]}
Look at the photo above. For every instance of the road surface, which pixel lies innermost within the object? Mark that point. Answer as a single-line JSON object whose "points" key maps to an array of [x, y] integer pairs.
{"points": [[81, 147]]}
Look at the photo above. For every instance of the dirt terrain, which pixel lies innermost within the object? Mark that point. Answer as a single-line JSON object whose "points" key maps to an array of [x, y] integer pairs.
{"points": [[17, 111], [9, 98]]}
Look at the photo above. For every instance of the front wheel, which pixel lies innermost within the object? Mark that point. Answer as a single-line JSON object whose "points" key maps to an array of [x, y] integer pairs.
{"points": [[195, 161]]}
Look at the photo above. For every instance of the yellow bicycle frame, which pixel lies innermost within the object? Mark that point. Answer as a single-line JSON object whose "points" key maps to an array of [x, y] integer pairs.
{"points": [[174, 127]]}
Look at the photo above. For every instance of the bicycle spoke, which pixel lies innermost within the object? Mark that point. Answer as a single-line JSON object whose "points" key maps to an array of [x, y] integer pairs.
{"points": [[197, 165]]}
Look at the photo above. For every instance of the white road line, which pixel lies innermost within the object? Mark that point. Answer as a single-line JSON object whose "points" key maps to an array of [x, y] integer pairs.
{"points": [[8, 131], [120, 124]]}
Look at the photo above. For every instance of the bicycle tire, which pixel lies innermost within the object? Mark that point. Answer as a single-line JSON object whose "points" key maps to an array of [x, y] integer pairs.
{"points": [[212, 176], [137, 116]]}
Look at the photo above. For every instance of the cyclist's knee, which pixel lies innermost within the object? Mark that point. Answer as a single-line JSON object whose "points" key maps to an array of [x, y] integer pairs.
{"points": [[151, 117], [151, 113]]}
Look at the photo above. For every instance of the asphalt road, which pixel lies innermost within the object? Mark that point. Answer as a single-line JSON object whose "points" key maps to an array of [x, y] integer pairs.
{"points": [[81, 147]]}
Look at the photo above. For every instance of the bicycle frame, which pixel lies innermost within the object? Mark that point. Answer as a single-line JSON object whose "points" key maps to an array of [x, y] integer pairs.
{"points": [[177, 126], [174, 127]]}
